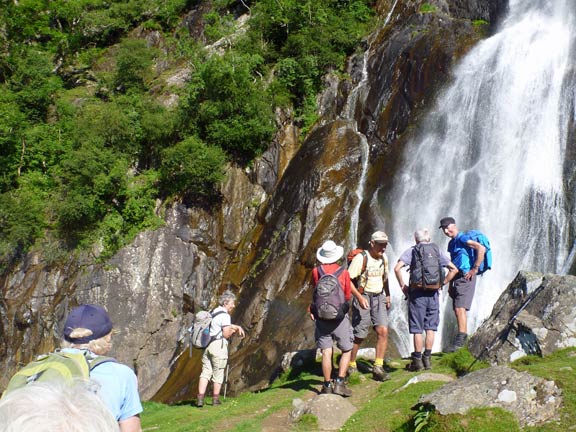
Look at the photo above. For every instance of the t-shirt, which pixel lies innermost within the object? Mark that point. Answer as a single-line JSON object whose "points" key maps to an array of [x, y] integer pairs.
{"points": [[219, 322], [374, 276], [118, 388], [460, 253], [406, 257], [344, 277]]}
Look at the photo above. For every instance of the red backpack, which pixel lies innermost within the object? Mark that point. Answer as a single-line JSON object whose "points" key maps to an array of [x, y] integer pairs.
{"points": [[349, 259]]}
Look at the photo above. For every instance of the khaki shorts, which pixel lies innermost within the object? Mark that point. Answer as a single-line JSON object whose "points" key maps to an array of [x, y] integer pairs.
{"points": [[328, 332], [375, 315], [214, 361]]}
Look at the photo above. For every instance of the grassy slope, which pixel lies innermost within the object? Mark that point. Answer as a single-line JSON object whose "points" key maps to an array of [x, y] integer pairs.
{"points": [[380, 406]]}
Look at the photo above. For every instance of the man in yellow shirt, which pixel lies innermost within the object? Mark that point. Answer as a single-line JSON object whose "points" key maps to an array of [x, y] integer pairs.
{"points": [[369, 270]]}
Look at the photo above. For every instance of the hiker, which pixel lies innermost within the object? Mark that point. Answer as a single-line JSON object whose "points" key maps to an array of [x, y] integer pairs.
{"points": [[88, 329], [55, 406], [463, 286], [333, 325], [371, 307], [426, 263], [215, 357]]}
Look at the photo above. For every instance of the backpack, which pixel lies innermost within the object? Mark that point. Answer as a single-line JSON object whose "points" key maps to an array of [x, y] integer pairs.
{"points": [[479, 237], [425, 268], [200, 330], [58, 365], [329, 302], [358, 279]]}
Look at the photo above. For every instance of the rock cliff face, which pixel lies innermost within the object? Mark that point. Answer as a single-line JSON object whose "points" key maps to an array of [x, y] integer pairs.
{"points": [[261, 241]]}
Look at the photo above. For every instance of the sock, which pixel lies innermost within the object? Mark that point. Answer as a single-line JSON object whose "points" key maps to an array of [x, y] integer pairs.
{"points": [[327, 384], [352, 364], [417, 355], [379, 362], [427, 353], [339, 379]]}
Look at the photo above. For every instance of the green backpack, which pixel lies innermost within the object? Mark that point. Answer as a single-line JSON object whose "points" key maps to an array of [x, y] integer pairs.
{"points": [[54, 366]]}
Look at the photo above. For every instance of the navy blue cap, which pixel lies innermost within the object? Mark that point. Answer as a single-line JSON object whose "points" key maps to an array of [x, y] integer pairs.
{"points": [[444, 222], [91, 317]]}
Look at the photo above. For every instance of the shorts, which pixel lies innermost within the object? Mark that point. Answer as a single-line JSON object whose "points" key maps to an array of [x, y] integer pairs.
{"points": [[423, 311], [375, 315], [214, 361], [329, 331], [462, 291]]}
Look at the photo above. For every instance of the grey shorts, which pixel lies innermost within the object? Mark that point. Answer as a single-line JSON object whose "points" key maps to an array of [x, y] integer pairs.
{"points": [[462, 292], [375, 315], [328, 332], [423, 311]]}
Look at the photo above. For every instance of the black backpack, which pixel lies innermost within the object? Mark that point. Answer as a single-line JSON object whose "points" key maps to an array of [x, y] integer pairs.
{"points": [[425, 269], [329, 302]]}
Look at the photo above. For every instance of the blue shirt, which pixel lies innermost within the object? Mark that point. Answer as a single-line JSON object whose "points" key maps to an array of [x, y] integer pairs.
{"points": [[461, 254], [118, 388]]}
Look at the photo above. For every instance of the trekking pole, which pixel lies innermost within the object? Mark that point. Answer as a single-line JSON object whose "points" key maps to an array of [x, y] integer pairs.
{"points": [[506, 330], [226, 379]]}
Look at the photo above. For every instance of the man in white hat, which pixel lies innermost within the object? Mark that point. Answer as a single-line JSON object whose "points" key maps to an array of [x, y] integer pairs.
{"points": [[370, 309], [332, 292]]}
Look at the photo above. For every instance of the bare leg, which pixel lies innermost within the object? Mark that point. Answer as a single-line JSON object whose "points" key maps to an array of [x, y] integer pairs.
{"points": [[382, 342], [461, 319], [327, 364]]}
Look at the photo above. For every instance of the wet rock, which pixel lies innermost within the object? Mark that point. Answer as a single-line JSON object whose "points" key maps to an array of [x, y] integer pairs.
{"points": [[531, 400]]}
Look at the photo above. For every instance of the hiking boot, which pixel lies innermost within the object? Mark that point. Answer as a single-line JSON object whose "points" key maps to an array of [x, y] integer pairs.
{"points": [[459, 342], [200, 401], [379, 374], [427, 361], [341, 389], [416, 365], [216, 401], [326, 390]]}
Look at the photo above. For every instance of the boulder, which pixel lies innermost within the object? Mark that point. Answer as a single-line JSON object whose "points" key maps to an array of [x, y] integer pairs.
{"points": [[332, 411], [531, 400], [534, 315]]}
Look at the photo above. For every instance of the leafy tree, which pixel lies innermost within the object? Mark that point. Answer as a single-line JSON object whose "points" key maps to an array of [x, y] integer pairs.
{"points": [[192, 167], [133, 64], [227, 106]]}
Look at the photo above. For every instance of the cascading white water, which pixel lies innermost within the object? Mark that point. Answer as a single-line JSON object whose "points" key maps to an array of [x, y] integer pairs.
{"points": [[490, 154]]}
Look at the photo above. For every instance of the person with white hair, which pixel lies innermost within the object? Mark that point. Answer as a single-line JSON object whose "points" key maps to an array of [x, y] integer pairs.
{"points": [[426, 263], [55, 406], [88, 329], [215, 356]]}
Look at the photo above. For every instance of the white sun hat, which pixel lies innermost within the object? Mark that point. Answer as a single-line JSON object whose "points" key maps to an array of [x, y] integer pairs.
{"points": [[329, 253]]}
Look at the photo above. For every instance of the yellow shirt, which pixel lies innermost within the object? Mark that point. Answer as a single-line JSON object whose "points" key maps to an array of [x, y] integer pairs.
{"points": [[376, 272]]}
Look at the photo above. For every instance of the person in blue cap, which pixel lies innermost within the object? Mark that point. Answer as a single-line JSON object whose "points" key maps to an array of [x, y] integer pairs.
{"points": [[88, 329]]}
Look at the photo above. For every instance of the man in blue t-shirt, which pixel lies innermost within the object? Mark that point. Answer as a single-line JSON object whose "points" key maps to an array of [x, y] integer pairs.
{"points": [[463, 286]]}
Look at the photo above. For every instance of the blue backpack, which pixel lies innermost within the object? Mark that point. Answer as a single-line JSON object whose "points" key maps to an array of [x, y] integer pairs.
{"points": [[479, 237]]}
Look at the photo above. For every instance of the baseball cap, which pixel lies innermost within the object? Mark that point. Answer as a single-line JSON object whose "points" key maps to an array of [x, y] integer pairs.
{"points": [[444, 222], [88, 316], [379, 237]]}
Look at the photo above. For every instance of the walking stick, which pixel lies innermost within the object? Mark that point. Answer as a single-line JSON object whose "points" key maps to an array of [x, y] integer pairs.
{"points": [[226, 379]]}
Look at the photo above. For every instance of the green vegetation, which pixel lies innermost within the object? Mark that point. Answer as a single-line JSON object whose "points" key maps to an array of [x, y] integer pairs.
{"points": [[381, 406], [427, 8], [89, 153]]}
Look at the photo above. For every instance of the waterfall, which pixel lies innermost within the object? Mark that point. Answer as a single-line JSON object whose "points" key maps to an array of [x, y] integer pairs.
{"points": [[490, 153]]}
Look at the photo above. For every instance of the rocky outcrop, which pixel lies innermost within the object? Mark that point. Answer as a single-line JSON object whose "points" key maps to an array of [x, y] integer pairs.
{"points": [[531, 400], [534, 315]]}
